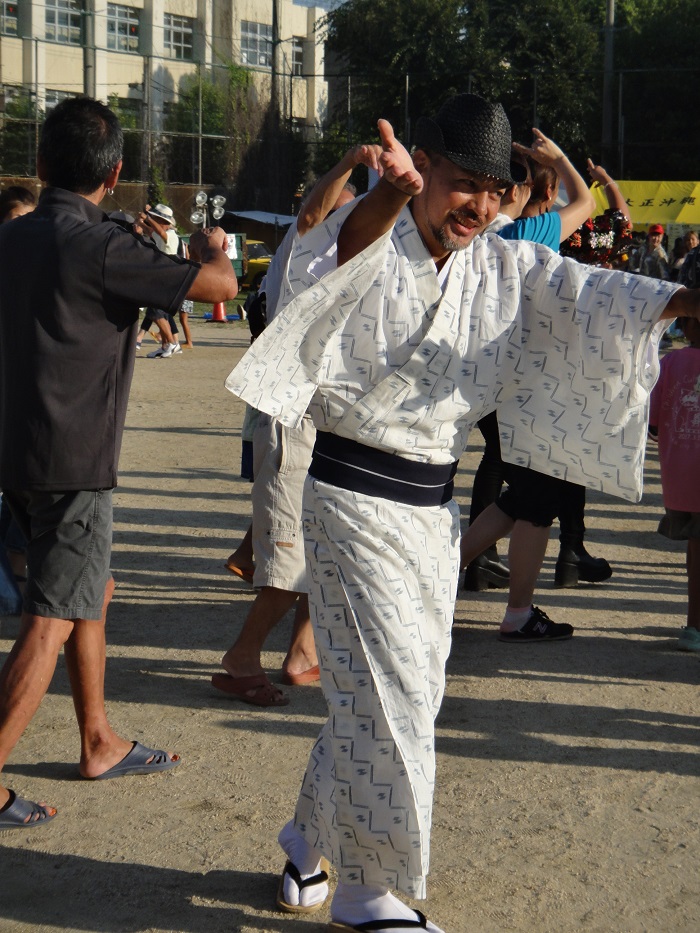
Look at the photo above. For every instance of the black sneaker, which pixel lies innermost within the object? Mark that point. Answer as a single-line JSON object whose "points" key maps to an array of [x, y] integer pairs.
{"points": [[539, 627]]}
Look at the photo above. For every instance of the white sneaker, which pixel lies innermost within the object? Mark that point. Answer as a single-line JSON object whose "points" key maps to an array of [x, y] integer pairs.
{"points": [[156, 353], [170, 349], [177, 348]]}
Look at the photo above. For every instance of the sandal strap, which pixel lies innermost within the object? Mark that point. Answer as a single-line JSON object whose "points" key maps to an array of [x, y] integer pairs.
{"points": [[293, 872], [420, 924]]}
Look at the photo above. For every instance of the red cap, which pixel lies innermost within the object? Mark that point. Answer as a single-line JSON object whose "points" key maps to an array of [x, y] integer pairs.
{"points": [[656, 228]]}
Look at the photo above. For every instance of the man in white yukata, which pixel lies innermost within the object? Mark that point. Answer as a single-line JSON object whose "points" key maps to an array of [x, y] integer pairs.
{"points": [[401, 329]]}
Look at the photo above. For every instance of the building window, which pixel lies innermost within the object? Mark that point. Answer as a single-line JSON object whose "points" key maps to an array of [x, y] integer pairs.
{"points": [[256, 44], [178, 36], [64, 21], [122, 28], [297, 56], [54, 97], [8, 18]]}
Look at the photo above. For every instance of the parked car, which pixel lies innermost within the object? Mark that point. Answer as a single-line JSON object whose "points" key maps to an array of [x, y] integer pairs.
{"points": [[259, 257]]}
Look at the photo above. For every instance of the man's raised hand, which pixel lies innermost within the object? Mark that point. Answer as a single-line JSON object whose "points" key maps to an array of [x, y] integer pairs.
{"points": [[368, 155], [543, 149], [206, 240], [397, 164]]}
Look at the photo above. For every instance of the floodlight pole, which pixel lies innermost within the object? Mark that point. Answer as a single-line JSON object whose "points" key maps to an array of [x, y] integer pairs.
{"points": [[608, 65], [199, 133]]}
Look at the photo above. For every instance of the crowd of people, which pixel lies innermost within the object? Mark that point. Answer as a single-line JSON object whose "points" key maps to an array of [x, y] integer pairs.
{"points": [[395, 323]]}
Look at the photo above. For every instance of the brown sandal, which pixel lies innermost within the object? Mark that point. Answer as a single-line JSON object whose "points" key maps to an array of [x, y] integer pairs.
{"points": [[257, 690]]}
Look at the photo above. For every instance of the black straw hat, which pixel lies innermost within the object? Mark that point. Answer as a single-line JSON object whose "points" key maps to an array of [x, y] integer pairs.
{"points": [[473, 134]]}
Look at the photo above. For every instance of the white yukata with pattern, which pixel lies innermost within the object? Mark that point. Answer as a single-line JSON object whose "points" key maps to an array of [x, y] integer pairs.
{"points": [[380, 354]]}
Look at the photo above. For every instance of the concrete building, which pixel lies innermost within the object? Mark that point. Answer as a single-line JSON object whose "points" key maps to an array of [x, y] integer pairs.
{"points": [[142, 52]]}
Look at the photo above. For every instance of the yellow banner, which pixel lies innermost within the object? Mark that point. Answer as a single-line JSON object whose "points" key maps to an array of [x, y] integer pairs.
{"points": [[657, 202]]}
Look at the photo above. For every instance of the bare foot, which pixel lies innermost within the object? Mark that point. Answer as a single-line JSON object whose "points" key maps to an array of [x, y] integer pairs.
{"points": [[242, 561], [299, 662], [241, 666]]}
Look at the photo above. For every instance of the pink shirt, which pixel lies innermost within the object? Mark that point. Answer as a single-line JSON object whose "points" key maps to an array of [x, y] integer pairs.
{"points": [[675, 410]]}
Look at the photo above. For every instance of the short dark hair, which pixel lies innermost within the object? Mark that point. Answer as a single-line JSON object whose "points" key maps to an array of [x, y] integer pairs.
{"points": [[81, 142], [11, 197]]}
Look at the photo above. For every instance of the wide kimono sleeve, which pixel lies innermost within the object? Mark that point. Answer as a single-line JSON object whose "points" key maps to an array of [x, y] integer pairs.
{"points": [[281, 371], [577, 407]]}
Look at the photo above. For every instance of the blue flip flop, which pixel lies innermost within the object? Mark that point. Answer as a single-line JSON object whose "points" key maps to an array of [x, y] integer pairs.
{"points": [[136, 762], [14, 814]]}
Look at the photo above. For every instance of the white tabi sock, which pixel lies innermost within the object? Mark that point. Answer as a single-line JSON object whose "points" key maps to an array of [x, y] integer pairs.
{"points": [[359, 903], [307, 862], [514, 619]]}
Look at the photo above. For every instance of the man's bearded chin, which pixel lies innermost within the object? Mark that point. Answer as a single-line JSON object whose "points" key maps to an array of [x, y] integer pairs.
{"points": [[445, 240]]}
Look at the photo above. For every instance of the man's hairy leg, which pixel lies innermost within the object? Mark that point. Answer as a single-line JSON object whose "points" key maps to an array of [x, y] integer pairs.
{"points": [[302, 648], [85, 652], [25, 678], [243, 657]]}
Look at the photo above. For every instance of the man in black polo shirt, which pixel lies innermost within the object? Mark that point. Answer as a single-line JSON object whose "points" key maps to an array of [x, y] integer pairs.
{"points": [[71, 284]]}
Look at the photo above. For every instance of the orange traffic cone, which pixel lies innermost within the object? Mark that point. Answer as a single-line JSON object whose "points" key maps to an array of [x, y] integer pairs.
{"points": [[219, 312]]}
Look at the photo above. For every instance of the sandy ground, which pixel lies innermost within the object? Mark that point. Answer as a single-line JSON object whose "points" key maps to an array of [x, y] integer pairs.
{"points": [[568, 795]]}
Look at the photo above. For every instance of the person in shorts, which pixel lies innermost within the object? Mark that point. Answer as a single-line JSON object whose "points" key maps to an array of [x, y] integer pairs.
{"points": [[71, 284], [281, 458], [158, 224]]}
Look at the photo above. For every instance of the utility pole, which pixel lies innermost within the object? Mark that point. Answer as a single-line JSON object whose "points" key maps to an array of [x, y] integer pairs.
{"points": [[608, 66], [274, 82], [88, 27], [406, 118], [36, 99], [199, 155], [146, 157]]}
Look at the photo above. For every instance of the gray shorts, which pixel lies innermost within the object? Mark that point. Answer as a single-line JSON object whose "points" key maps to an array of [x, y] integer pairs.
{"points": [[281, 459], [69, 546], [679, 526]]}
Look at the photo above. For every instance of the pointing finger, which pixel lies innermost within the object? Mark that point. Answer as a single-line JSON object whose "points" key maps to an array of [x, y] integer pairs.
{"points": [[386, 134]]}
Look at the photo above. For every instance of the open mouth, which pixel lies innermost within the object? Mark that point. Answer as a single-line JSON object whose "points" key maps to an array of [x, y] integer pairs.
{"points": [[462, 224]]}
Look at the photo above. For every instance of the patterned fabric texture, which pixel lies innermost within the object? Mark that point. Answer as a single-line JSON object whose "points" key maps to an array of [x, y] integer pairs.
{"points": [[565, 352], [381, 606], [281, 462]]}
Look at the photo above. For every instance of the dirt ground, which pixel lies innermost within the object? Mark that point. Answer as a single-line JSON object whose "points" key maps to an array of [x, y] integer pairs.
{"points": [[568, 795]]}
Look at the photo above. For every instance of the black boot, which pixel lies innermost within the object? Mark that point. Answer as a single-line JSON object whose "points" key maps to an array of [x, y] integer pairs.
{"points": [[575, 564], [486, 571]]}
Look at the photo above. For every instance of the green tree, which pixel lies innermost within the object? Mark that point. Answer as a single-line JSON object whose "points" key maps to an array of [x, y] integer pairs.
{"points": [[18, 137], [535, 56], [183, 126], [543, 59], [657, 52], [131, 120], [375, 44], [155, 190], [249, 151]]}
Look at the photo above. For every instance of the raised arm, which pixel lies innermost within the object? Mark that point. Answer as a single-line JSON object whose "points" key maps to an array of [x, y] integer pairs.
{"points": [[216, 280], [327, 189], [378, 211], [151, 225], [581, 203], [601, 178], [684, 303]]}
